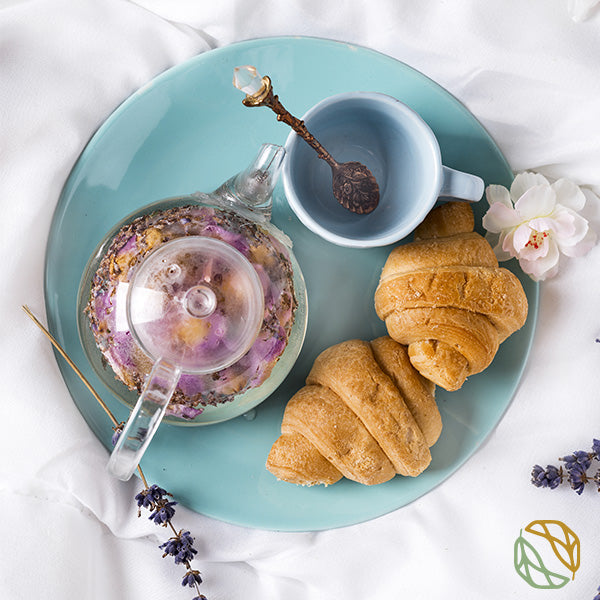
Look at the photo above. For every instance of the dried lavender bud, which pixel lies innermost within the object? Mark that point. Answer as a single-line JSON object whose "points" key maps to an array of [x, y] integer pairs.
{"points": [[181, 547], [577, 478], [150, 497], [596, 448], [186, 538], [187, 551], [192, 578], [171, 547], [596, 597], [550, 477], [203, 597], [163, 513], [577, 459], [185, 555], [157, 493], [144, 499]]}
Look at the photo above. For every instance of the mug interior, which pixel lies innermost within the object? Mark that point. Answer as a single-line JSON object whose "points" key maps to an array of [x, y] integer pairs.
{"points": [[392, 141]]}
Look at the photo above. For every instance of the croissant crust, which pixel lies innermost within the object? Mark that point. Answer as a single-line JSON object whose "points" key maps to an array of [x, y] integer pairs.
{"points": [[445, 297], [365, 414]]}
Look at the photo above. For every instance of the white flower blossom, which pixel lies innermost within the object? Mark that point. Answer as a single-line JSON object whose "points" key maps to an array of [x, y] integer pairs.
{"points": [[537, 221]]}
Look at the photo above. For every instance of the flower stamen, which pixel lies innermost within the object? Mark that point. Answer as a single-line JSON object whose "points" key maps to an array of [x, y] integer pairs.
{"points": [[536, 239]]}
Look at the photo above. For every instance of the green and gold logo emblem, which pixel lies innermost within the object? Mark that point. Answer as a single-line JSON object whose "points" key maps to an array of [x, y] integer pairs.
{"points": [[546, 538]]}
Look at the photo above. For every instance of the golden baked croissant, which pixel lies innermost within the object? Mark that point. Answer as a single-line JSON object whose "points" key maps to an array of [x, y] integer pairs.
{"points": [[445, 297], [365, 414]]}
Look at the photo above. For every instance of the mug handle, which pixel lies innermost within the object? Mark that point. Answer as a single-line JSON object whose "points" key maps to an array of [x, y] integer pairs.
{"points": [[144, 420], [461, 186]]}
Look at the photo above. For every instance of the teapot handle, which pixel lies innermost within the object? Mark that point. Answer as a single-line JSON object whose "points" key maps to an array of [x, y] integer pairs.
{"points": [[144, 420]]}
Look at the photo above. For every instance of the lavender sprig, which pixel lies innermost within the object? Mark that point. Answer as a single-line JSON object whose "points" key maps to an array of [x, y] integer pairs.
{"points": [[181, 545], [153, 498], [575, 471]]}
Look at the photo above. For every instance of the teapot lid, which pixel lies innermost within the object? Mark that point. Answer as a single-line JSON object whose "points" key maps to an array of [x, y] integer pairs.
{"points": [[197, 303]]}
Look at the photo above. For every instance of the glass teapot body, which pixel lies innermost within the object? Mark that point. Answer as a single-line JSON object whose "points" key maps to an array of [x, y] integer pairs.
{"points": [[127, 325]]}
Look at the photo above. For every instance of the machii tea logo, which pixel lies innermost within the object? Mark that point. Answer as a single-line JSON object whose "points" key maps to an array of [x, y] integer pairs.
{"points": [[551, 540]]}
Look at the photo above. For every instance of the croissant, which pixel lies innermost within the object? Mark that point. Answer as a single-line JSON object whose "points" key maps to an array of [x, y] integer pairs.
{"points": [[445, 297], [365, 414]]}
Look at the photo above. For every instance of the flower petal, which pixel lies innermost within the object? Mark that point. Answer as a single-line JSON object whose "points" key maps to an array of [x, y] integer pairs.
{"points": [[524, 181], [582, 247], [542, 224], [520, 237], [498, 193], [499, 217], [495, 241], [544, 267], [568, 194], [537, 201], [568, 227]]}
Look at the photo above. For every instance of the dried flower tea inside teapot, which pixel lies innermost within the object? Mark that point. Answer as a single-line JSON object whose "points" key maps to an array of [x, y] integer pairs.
{"points": [[131, 246]]}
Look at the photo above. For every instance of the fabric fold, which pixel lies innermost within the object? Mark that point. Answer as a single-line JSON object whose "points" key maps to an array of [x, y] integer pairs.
{"points": [[526, 71]]}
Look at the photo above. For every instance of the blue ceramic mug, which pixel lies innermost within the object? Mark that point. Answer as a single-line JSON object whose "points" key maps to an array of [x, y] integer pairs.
{"points": [[397, 146]]}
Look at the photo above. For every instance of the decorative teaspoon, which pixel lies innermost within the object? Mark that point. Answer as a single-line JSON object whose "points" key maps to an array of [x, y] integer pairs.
{"points": [[354, 186]]}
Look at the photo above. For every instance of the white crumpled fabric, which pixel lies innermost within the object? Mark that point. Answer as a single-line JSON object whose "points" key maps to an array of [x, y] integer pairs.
{"points": [[582, 9], [528, 72]]}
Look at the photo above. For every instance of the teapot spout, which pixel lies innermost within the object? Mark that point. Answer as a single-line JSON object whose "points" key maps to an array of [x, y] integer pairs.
{"points": [[253, 187]]}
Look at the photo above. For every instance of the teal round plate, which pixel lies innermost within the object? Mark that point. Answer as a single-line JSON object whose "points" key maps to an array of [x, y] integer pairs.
{"points": [[188, 131]]}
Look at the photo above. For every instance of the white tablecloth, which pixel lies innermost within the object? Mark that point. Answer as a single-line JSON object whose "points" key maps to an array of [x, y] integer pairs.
{"points": [[528, 71]]}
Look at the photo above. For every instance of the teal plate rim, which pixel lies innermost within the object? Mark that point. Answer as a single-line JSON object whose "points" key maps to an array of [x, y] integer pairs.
{"points": [[187, 130]]}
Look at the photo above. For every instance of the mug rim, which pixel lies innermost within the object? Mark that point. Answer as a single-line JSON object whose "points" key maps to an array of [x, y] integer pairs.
{"points": [[403, 229]]}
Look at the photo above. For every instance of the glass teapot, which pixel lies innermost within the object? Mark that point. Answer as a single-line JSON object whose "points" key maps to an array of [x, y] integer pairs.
{"points": [[193, 309]]}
